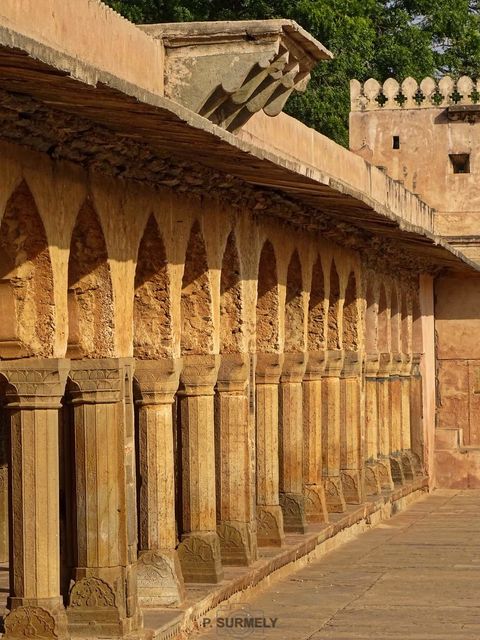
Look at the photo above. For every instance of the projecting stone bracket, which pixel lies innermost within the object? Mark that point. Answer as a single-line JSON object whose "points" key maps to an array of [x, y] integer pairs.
{"points": [[227, 71]]}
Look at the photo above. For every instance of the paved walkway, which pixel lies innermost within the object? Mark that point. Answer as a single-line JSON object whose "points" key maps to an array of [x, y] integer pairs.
{"points": [[416, 576]]}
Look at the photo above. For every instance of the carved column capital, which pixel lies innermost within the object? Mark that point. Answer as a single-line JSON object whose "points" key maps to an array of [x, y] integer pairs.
{"points": [[406, 365], [315, 369], [372, 365], [294, 365], [233, 373], [416, 362], [158, 380], [351, 365], [269, 368], [384, 365], [396, 365], [199, 375], [97, 381], [334, 363], [35, 383]]}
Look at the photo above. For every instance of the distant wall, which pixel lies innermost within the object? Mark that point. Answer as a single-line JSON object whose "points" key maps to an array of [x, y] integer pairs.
{"points": [[91, 32]]}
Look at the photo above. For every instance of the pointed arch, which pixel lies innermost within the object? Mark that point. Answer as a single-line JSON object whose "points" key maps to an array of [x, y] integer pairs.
{"points": [[294, 310], [395, 319], [231, 300], [152, 319], [316, 309], [27, 325], [196, 304], [90, 295], [267, 301], [333, 337], [383, 340], [350, 315], [371, 318]]}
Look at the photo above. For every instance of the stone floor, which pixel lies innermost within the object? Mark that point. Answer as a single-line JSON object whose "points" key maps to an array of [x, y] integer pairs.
{"points": [[415, 576]]}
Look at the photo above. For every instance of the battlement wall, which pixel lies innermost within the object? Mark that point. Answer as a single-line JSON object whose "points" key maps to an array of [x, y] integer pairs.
{"points": [[409, 94]]}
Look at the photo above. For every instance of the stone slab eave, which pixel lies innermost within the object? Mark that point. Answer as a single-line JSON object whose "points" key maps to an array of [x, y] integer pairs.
{"points": [[28, 67]]}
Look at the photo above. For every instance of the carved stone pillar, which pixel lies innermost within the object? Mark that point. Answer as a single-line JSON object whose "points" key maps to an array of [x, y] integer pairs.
{"points": [[384, 420], [372, 473], [416, 414], [33, 395], [331, 431], [103, 596], [291, 443], [235, 437], [159, 575], [351, 436], [269, 513], [314, 491], [199, 551], [396, 465], [4, 455], [405, 438]]}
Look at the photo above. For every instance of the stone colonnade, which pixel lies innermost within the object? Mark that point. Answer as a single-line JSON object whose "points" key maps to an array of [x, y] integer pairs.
{"points": [[270, 386]]}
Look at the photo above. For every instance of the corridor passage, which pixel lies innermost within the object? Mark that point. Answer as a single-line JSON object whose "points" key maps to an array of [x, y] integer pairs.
{"points": [[415, 576]]}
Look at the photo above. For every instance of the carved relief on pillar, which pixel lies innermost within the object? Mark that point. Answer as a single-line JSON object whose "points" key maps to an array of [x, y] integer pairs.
{"points": [[396, 463], [33, 391], [384, 420], [405, 437], [416, 414], [159, 575], [331, 430], [372, 474], [270, 530], [199, 551], [291, 442], [351, 436], [236, 526], [104, 593], [314, 490]]}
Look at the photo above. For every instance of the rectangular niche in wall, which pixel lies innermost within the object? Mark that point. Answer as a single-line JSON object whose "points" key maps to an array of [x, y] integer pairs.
{"points": [[460, 162]]}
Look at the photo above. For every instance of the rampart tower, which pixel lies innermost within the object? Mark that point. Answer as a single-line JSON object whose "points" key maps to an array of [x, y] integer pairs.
{"points": [[427, 136]]}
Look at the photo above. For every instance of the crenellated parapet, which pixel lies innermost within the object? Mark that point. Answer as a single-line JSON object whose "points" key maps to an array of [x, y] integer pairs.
{"points": [[409, 94]]}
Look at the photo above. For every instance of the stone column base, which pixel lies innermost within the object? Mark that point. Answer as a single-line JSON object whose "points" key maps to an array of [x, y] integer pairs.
{"points": [[270, 532], [407, 465], [36, 618], [334, 495], [236, 543], [352, 484], [200, 558], [293, 509], [385, 474], [315, 503], [159, 579], [417, 463], [93, 610], [372, 479], [396, 468]]}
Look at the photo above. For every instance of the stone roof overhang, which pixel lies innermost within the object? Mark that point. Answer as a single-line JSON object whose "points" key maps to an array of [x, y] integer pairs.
{"points": [[58, 82]]}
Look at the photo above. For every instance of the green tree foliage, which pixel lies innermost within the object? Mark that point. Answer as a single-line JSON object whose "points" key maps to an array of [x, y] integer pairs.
{"points": [[369, 38]]}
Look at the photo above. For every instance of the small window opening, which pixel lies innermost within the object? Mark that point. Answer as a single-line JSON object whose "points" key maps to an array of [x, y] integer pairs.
{"points": [[460, 162], [396, 142]]}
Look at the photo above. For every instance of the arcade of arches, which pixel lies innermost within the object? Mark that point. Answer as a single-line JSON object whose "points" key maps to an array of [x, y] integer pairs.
{"points": [[179, 395]]}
